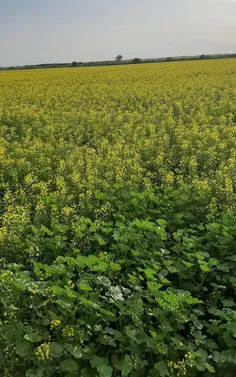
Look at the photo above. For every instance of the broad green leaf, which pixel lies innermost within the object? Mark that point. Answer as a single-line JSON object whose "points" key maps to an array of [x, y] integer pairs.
{"points": [[150, 274], [86, 302], [101, 241], [162, 369], [98, 361], [106, 313], [115, 266], [228, 303], [219, 357], [35, 373], [56, 350], [84, 287], [205, 268], [69, 365], [24, 348], [161, 222], [77, 353], [213, 262], [127, 366], [115, 293], [104, 371], [164, 280], [188, 264], [153, 286], [209, 367], [199, 337], [230, 355]]}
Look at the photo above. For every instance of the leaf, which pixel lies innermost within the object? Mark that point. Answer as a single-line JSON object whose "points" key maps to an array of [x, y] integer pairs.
{"points": [[57, 291], [164, 280], [107, 313], [35, 373], [115, 293], [153, 286], [101, 241], [70, 348], [205, 268], [104, 281], [102, 365], [98, 361], [105, 371], [199, 337], [33, 337], [77, 352], [84, 287], [149, 273], [229, 355], [161, 222], [115, 266], [213, 262], [228, 303], [70, 293], [56, 350], [86, 302], [24, 348], [188, 264], [162, 369], [69, 365], [143, 224], [209, 367], [127, 366], [219, 357], [126, 290]]}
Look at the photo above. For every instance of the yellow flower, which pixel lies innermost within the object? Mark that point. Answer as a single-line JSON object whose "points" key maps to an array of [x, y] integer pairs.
{"points": [[71, 284], [55, 323], [43, 351], [68, 331]]}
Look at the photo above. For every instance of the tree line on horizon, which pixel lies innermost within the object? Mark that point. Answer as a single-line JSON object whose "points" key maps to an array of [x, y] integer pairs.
{"points": [[119, 60]]}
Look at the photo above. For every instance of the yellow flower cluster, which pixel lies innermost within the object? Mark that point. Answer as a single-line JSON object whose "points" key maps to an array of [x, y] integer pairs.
{"points": [[71, 284], [180, 367], [33, 290], [67, 211], [55, 323], [43, 351], [9, 315], [104, 256], [6, 275], [33, 252], [68, 331]]}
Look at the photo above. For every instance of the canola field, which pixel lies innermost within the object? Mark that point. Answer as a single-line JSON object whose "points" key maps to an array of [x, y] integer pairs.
{"points": [[118, 221]]}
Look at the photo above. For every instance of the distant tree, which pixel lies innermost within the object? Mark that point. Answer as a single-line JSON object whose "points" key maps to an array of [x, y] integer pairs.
{"points": [[203, 56], [136, 60], [73, 64], [169, 59], [119, 58]]}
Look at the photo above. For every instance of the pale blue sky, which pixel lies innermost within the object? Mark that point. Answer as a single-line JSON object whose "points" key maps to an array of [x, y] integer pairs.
{"points": [[38, 31]]}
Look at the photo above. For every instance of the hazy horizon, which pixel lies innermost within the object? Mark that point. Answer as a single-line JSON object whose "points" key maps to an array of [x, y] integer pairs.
{"points": [[60, 31]]}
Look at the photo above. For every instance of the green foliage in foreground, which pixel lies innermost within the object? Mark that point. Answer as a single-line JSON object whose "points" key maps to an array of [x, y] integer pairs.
{"points": [[142, 285]]}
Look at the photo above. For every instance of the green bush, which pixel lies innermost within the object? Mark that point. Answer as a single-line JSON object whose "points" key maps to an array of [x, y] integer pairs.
{"points": [[142, 285]]}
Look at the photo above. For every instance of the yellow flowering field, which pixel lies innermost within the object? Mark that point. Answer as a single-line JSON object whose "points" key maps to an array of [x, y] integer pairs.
{"points": [[117, 220], [78, 130]]}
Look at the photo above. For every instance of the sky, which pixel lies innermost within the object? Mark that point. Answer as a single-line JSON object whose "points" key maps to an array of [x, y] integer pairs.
{"points": [[48, 31]]}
